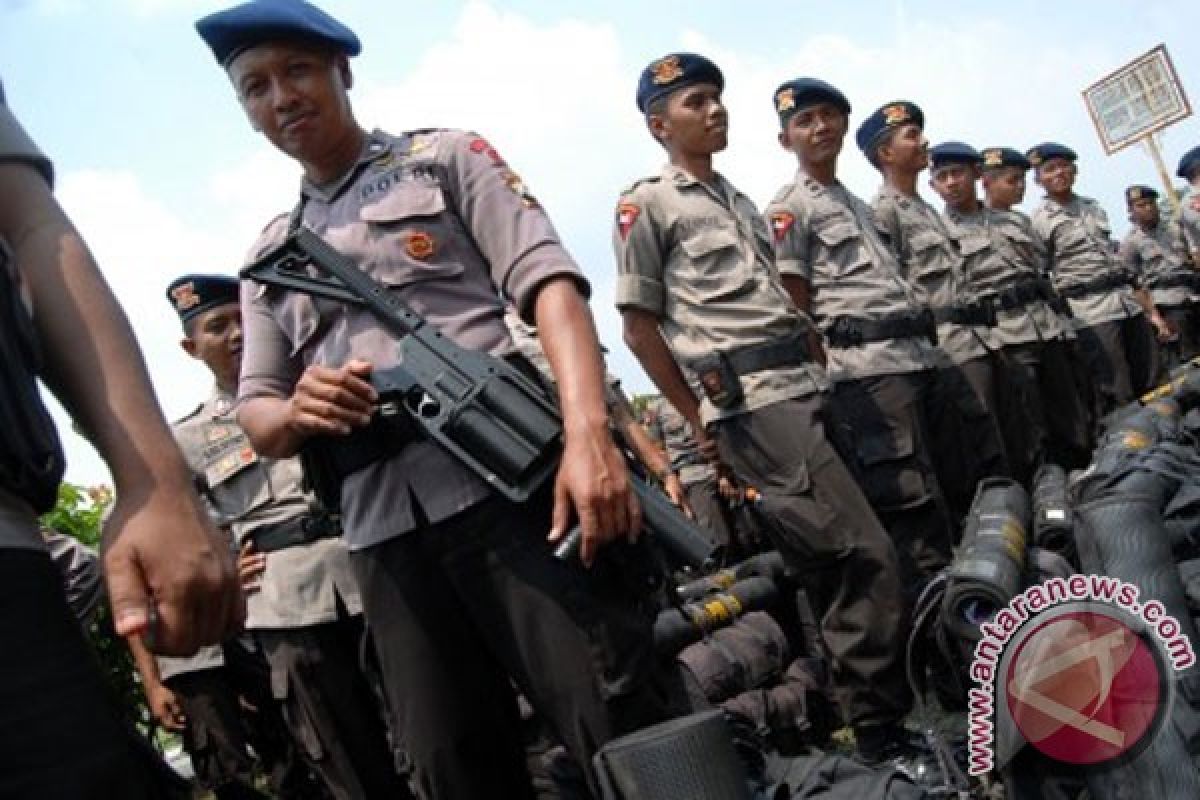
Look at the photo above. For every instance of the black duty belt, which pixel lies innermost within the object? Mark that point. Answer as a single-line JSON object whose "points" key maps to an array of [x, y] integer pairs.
{"points": [[720, 372], [1023, 294], [1104, 283], [856, 331], [301, 530], [980, 313], [1177, 280]]}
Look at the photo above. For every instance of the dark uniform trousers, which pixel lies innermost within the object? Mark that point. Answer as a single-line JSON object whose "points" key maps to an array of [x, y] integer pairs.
{"points": [[712, 514], [1185, 319], [331, 708], [215, 735], [825, 529], [457, 607], [884, 428], [1043, 416], [61, 735], [967, 444], [1121, 356]]}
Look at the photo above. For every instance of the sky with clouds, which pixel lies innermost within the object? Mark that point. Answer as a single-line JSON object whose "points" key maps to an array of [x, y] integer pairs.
{"points": [[160, 170]]}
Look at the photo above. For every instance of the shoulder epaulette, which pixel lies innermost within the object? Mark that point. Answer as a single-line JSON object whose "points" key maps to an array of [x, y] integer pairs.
{"points": [[189, 415]]}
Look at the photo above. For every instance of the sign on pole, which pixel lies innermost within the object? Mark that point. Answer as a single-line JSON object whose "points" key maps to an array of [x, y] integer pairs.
{"points": [[1132, 102]]}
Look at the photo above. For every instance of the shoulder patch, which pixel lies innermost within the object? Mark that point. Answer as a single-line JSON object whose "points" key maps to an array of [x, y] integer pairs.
{"points": [[627, 214], [781, 223]]}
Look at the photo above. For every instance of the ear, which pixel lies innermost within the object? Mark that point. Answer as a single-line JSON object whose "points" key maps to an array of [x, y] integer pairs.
{"points": [[659, 126], [343, 67], [932, 184], [189, 346], [785, 141]]}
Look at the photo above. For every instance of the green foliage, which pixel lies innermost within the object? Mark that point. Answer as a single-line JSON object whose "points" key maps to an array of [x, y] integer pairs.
{"points": [[640, 401], [78, 513]]}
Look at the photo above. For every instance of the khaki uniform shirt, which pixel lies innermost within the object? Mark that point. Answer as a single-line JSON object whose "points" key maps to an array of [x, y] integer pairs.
{"points": [[249, 493], [998, 253], [1155, 255], [1079, 246], [439, 218], [827, 236], [930, 259], [698, 256], [673, 431], [1189, 220]]}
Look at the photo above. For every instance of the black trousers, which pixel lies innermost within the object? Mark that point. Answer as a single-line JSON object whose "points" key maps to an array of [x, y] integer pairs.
{"points": [[824, 527], [456, 608], [61, 737], [966, 441], [331, 708], [1185, 320], [1043, 416], [215, 735], [884, 428], [1121, 356]]}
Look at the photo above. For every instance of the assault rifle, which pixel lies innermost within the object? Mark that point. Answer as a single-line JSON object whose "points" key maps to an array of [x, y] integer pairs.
{"points": [[497, 421]]}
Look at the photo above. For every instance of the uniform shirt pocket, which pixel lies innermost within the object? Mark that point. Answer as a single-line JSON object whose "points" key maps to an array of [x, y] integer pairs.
{"points": [[412, 237], [712, 266], [972, 243], [844, 245], [237, 481], [922, 242]]}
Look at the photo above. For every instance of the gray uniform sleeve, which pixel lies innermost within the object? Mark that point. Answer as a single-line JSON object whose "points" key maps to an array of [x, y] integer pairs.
{"points": [[1127, 254], [790, 234], [512, 232], [269, 367], [1189, 222], [641, 261], [17, 147]]}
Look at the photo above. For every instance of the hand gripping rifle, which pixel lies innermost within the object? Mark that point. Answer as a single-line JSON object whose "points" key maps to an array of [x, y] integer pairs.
{"points": [[491, 417]]}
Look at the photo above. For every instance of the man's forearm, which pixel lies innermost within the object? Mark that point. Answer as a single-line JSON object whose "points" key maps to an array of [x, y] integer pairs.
{"points": [[92, 362], [643, 338], [568, 337], [265, 421]]}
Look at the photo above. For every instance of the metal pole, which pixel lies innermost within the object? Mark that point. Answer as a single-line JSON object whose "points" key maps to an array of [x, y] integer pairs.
{"points": [[1151, 143]]}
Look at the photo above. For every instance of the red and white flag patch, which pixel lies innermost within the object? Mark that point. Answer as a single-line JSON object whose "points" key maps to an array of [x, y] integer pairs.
{"points": [[781, 223], [627, 214]]}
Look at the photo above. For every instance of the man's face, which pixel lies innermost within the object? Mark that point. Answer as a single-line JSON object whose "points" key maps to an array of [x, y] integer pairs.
{"points": [[215, 337], [906, 149], [295, 95], [694, 121], [955, 184], [1144, 211], [1056, 176], [1005, 187], [815, 133]]}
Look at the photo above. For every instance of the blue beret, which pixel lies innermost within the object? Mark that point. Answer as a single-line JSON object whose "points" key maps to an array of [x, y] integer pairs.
{"points": [[801, 93], [1133, 193], [229, 32], [191, 295], [1189, 163], [953, 153], [996, 157], [1048, 150], [885, 118], [675, 71]]}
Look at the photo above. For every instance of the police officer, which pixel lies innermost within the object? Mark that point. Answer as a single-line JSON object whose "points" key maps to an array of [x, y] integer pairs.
{"points": [[303, 606], [893, 140], [1115, 338], [878, 334], [1189, 205], [60, 735], [1039, 404], [700, 296], [1155, 251], [1003, 179], [459, 586]]}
